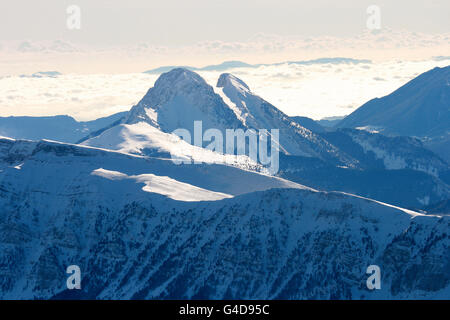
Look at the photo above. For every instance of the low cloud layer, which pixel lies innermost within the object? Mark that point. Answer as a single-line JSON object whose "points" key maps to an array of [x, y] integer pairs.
{"points": [[317, 90]]}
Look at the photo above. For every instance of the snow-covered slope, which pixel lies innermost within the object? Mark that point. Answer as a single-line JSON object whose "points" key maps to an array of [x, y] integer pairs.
{"points": [[164, 185], [112, 214], [439, 145], [144, 139], [257, 113], [393, 153], [419, 108], [403, 187], [396, 170], [60, 163], [399, 152]]}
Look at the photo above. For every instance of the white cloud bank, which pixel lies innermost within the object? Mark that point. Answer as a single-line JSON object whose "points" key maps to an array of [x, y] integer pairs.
{"points": [[316, 91]]}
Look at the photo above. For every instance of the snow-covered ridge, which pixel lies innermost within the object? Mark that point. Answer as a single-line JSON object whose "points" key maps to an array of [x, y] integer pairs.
{"points": [[257, 113], [226, 80], [144, 139], [275, 244], [221, 179]]}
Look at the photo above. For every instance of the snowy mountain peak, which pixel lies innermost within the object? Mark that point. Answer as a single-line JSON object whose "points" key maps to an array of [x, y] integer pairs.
{"points": [[227, 80], [179, 81], [178, 78], [180, 97]]}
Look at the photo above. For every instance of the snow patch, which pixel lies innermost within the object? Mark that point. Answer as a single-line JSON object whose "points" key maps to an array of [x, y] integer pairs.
{"points": [[230, 104], [371, 129], [18, 167], [165, 186]]}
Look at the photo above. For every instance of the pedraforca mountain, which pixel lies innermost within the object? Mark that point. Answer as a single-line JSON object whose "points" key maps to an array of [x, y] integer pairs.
{"points": [[179, 98]]}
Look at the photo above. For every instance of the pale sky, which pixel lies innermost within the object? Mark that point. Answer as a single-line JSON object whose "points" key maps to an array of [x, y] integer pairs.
{"points": [[173, 23]]}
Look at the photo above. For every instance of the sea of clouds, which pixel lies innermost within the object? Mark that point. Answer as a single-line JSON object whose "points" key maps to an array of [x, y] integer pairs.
{"points": [[315, 90]]}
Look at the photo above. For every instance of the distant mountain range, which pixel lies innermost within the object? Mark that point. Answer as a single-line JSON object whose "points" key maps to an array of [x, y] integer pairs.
{"points": [[323, 125], [224, 66], [42, 74], [59, 128], [330, 121], [140, 226]]}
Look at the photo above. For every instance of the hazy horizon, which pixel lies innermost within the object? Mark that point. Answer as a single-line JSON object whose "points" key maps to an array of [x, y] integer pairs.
{"points": [[133, 36], [102, 47]]}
